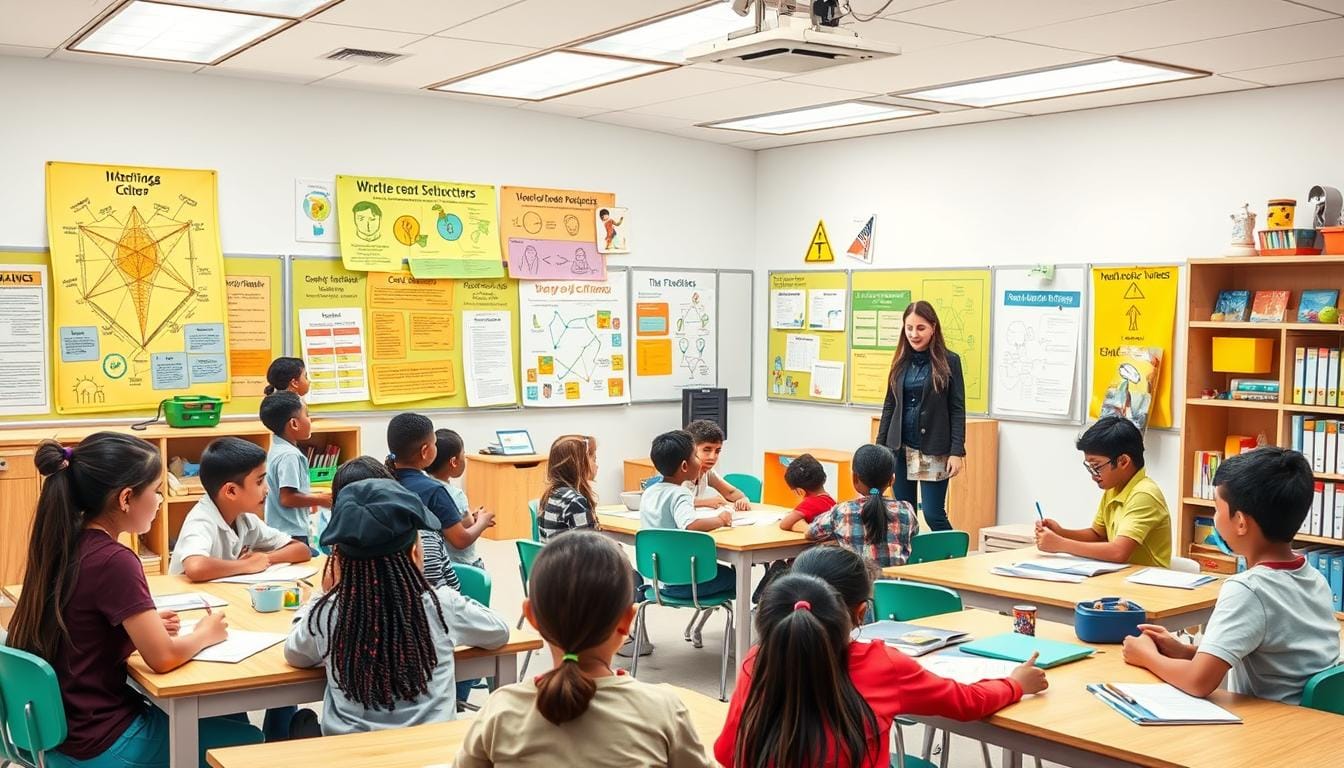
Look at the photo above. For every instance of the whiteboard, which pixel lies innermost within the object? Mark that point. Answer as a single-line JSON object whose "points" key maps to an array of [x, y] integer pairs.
{"points": [[674, 331], [1028, 370], [737, 345]]}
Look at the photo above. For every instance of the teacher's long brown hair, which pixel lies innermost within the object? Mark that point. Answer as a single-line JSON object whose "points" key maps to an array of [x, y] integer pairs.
{"points": [[942, 372]]}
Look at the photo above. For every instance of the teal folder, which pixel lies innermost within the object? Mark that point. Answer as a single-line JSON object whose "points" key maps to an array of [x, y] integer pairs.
{"points": [[1011, 646]]}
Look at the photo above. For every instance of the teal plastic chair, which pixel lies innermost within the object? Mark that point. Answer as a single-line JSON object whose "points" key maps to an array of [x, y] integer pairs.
{"points": [[750, 485], [938, 545], [677, 558], [475, 582], [907, 601], [1325, 691], [527, 555], [32, 717], [532, 511]]}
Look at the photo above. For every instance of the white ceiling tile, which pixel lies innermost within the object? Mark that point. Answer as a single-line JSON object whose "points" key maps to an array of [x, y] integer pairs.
{"points": [[981, 57], [661, 86], [994, 17], [1334, 6], [258, 74], [670, 125], [754, 99], [422, 16], [1268, 48], [1170, 23], [1180, 89], [910, 37], [46, 24], [299, 50], [902, 125], [1301, 72], [432, 60], [546, 23], [24, 51], [568, 110], [103, 59]]}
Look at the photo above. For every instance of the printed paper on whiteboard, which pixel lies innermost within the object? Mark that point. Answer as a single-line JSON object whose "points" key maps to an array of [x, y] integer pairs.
{"points": [[828, 380], [826, 310], [801, 351], [786, 309]]}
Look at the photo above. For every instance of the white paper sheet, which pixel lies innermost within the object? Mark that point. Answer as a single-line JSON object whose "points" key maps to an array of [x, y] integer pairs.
{"points": [[487, 357], [801, 351], [826, 310], [787, 309], [239, 645], [1161, 577], [1169, 703], [1036, 573], [277, 572], [1079, 566], [966, 669], [24, 358], [828, 379], [188, 601]]}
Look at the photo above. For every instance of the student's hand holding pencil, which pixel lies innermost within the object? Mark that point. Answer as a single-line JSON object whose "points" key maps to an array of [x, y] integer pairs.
{"points": [[254, 562], [1029, 676], [212, 628], [171, 622]]}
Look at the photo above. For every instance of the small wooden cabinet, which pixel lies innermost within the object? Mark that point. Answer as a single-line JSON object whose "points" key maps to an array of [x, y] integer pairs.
{"points": [[504, 485], [839, 475], [972, 496], [19, 488]]}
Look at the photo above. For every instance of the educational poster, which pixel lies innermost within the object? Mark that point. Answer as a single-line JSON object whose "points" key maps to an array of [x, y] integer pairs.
{"points": [[552, 234], [675, 333], [329, 326], [862, 247], [878, 299], [314, 211], [1038, 333], [575, 342], [137, 284], [487, 358], [252, 288], [612, 230], [794, 346], [25, 362], [441, 228], [412, 338], [826, 310], [1133, 307]]}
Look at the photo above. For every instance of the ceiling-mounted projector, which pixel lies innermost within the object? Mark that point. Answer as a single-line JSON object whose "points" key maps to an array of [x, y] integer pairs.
{"points": [[795, 45]]}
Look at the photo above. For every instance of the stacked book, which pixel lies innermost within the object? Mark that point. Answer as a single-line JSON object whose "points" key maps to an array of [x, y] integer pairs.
{"points": [[1327, 512], [1330, 562], [1316, 379], [1258, 390], [1317, 438], [1206, 466]]}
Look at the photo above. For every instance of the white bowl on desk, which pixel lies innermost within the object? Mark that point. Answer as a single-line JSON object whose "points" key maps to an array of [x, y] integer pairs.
{"points": [[631, 499]]}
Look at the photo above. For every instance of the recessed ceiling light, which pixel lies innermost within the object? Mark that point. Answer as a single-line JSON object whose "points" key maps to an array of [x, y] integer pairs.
{"points": [[148, 30], [816, 118], [668, 38], [551, 74], [1068, 80], [293, 9]]}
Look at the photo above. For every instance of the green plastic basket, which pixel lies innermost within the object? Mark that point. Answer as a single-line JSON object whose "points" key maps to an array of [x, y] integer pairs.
{"points": [[192, 411], [321, 475]]}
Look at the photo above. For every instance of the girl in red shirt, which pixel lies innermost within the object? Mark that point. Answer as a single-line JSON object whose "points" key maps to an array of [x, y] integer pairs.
{"points": [[836, 707]]}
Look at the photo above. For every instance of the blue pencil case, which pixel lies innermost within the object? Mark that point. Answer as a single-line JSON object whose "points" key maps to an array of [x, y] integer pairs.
{"points": [[1104, 620]]}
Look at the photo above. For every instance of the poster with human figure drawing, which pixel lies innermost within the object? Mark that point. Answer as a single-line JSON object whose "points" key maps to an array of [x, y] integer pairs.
{"points": [[551, 234], [574, 342]]}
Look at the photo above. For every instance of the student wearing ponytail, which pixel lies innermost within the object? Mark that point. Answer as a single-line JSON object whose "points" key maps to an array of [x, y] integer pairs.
{"points": [[287, 374], [86, 606], [875, 526], [582, 712]]}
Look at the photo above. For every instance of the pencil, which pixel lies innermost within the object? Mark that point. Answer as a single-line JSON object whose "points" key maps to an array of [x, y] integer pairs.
{"points": [[1039, 513], [205, 604]]}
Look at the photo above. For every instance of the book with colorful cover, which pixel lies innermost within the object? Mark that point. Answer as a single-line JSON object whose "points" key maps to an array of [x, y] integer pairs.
{"points": [[1313, 302], [1232, 306], [1269, 306]]}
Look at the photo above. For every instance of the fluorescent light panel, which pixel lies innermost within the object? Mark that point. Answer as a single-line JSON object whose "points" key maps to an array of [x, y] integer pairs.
{"points": [[293, 9], [1068, 80], [667, 39], [551, 74], [148, 30], [817, 118]]}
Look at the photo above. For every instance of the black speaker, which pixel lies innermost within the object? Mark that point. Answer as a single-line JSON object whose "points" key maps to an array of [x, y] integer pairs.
{"points": [[709, 403]]}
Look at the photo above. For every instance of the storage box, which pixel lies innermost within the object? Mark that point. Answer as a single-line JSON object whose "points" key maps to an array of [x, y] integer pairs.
{"points": [[192, 411], [1242, 354], [321, 475], [1334, 240], [1213, 560], [1109, 623]]}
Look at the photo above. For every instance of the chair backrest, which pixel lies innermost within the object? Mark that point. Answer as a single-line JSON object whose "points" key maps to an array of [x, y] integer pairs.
{"points": [[32, 717], [648, 481], [938, 545], [475, 582], [675, 557], [527, 554], [1325, 691], [907, 601], [532, 512], [1184, 564], [750, 485]]}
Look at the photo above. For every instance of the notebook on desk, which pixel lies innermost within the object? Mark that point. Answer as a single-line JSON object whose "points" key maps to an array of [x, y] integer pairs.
{"points": [[1010, 646], [911, 639], [1160, 704]]}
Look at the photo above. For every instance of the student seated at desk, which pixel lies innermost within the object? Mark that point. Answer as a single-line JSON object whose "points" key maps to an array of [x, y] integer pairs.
{"points": [[412, 446], [450, 463], [85, 606], [291, 496], [1132, 523], [668, 504], [582, 713], [384, 634], [806, 477], [873, 525], [568, 501], [1273, 626], [709, 489], [222, 535]]}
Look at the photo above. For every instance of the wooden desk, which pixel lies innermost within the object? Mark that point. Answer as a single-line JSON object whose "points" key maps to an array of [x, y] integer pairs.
{"points": [[741, 547], [504, 485], [839, 475], [1068, 725], [436, 743], [200, 689], [972, 496], [1055, 600]]}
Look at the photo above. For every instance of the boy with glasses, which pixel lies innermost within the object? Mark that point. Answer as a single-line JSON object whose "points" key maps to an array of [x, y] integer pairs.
{"points": [[1132, 524]]}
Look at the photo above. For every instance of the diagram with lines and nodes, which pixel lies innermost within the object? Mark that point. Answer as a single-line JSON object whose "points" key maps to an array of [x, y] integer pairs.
{"points": [[574, 342]]}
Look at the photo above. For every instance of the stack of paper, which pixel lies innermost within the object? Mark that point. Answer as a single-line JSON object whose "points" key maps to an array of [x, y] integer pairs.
{"points": [[911, 639], [1160, 704], [759, 518], [188, 601], [277, 572], [239, 645], [1035, 573], [966, 669], [1078, 566], [1161, 577]]}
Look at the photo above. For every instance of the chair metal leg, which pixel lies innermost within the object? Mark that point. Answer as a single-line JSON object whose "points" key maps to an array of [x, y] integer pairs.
{"points": [[929, 733], [639, 635], [723, 660], [1038, 761], [984, 752], [947, 744], [696, 639], [527, 659], [898, 753]]}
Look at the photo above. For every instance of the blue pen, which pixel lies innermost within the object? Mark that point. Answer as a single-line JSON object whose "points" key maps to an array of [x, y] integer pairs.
{"points": [[1039, 513]]}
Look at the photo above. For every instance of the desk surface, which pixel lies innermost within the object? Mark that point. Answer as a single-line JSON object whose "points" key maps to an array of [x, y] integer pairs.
{"points": [[972, 575], [499, 458], [740, 539], [266, 668], [422, 745], [1272, 733]]}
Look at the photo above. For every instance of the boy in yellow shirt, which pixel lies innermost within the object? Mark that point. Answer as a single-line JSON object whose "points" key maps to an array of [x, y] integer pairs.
{"points": [[1132, 524]]}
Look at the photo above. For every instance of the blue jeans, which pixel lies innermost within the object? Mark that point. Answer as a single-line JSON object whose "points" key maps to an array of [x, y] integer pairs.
{"points": [[724, 581], [144, 744], [934, 495]]}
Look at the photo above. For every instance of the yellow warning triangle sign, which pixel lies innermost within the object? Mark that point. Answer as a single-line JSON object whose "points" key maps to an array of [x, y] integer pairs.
{"points": [[819, 249]]}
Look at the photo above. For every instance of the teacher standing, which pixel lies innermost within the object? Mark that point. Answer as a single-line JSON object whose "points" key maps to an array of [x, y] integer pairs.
{"points": [[924, 415]]}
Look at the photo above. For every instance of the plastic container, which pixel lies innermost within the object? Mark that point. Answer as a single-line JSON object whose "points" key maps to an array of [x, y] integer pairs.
{"points": [[1280, 214], [1334, 240], [321, 475], [192, 411], [631, 499], [1242, 354], [1107, 624], [1289, 242]]}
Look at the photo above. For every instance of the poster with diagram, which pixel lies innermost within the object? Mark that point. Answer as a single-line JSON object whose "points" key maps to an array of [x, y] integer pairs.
{"points": [[137, 286], [412, 337], [1038, 340], [552, 234], [675, 333], [574, 342]]}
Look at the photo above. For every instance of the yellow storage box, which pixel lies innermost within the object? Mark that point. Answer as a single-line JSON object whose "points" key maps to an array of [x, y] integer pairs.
{"points": [[1242, 354]]}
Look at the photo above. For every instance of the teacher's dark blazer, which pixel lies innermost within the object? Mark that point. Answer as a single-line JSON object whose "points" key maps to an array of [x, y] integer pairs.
{"points": [[942, 415]]}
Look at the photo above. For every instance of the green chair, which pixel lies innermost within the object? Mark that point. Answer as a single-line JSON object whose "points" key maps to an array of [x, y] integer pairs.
{"points": [[750, 485], [907, 601], [532, 511], [527, 555], [475, 582], [32, 717], [676, 558], [938, 545], [1325, 691]]}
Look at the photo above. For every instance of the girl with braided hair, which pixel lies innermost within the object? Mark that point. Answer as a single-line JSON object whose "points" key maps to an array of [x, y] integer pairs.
{"points": [[384, 634]]}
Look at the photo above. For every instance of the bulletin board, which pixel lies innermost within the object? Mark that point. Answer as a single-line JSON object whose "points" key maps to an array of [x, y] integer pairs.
{"points": [[807, 320]]}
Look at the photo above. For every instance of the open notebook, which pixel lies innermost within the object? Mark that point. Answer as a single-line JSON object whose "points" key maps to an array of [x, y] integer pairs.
{"points": [[1160, 704], [239, 645], [911, 639], [277, 572], [1161, 577]]}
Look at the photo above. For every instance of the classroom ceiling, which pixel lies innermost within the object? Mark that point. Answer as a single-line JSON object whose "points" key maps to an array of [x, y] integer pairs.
{"points": [[1245, 44]]}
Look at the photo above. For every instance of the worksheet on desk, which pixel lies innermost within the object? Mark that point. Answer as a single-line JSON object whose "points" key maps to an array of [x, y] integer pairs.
{"points": [[277, 572], [188, 601], [240, 644]]}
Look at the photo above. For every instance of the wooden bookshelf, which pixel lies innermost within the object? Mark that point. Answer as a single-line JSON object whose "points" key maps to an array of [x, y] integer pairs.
{"points": [[1208, 422]]}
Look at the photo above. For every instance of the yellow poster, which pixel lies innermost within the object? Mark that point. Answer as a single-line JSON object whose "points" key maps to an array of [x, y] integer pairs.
{"points": [[412, 338], [653, 357], [253, 288], [442, 228], [791, 346], [138, 286], [1133, 307], [552, 234]]}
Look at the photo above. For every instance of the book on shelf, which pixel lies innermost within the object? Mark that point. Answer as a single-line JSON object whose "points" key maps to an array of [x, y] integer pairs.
{"points": [[1299, 375], [1311, 302], [1269, 306], [1329, 562], [1232, 306], [1318, 378], [1206, 466], [1234, 445]]}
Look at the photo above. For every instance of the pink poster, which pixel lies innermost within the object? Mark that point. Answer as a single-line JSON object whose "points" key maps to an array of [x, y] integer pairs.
{"points": [[555, 260]]}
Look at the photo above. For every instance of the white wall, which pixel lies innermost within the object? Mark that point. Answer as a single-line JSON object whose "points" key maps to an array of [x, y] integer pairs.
{"points": [[694, 201], [1142, 183]]}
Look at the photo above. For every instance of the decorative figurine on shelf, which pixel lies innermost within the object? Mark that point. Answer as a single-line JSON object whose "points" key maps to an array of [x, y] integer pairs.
{"points": [[1326, 204], [1243, 232], [1209, 394], [1280, 213]]}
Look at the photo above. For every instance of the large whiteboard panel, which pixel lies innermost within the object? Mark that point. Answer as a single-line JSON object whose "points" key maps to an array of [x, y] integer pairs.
{"points": [[737, 345], [1038, 361], [674, 330]]}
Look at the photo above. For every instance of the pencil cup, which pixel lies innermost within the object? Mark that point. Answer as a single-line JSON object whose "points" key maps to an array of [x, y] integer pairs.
{"points": [[1280, 213], [267, 598], [1024, 619]]}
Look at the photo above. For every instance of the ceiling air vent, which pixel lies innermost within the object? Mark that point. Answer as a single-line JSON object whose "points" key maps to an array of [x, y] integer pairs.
{"points": [[361, 56]]}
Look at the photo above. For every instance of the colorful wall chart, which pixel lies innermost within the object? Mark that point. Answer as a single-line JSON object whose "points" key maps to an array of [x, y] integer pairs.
{"points": [[675, 330], [315, 211], [412, 337], [551, 234], [575, 342], [1134, 306], [797, 353], [441, 228], [1038, 337], [879, 298], [138, 286], [25, 360], [253, 288]]}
